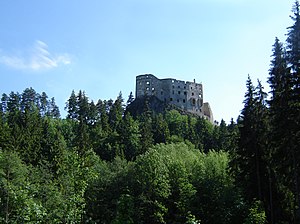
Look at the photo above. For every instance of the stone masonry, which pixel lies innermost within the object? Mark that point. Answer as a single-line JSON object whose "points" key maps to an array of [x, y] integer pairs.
{"points": [[185, 95]]}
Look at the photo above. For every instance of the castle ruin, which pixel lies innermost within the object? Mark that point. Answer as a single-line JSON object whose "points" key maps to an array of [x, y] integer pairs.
{"points": [[187, 96]]}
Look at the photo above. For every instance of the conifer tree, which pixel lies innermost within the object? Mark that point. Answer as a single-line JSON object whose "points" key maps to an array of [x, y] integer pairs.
{"points": [[161, 132], [116, 112], [280, 81], [293, 55], [145, 121], [43, 103], [252, 143], [82, 138], [130, 99], [129, 136], [72, 107]]}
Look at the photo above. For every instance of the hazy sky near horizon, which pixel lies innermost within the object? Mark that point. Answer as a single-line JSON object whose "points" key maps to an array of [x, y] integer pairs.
{"points": [[101, 46]]}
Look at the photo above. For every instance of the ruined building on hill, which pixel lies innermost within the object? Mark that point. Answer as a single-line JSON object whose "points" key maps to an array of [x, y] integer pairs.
{"points": [[187, 96]]}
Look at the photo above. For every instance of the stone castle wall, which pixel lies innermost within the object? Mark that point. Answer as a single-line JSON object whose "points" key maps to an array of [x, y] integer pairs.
{"points": [[185, 95]]}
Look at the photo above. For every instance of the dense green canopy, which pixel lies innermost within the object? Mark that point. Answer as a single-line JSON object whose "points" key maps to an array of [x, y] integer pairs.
{"points": [[101, 164]]}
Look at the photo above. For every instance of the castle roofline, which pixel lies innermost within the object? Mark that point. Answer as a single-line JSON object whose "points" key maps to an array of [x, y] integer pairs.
{"points": [[167, 79]]}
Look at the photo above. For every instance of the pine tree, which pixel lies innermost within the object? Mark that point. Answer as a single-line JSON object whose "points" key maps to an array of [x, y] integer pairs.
{"points": [[280, 81], [82, 138], [116, 112], [72, 107], [252, 145], [29, 99], [247, 139], [261, 129], [145, 121], [161, 133], [130, 99], [129, 136], [43, 103], [53, 110], [293, 55]]}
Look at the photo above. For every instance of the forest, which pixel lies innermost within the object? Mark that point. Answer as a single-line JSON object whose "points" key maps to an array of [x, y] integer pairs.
{"points": [[101, 164]]}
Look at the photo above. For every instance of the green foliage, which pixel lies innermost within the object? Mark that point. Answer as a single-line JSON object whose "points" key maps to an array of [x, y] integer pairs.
{"points": [[256, 214], [105, 194], [77, 169], [17, 204], [125, 210]]}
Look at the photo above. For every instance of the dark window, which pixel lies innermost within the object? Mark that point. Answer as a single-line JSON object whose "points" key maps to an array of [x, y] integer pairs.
{"points": [[192, 94], [171, 99], [173, 87], [194, 101], [179, 92], [173, 91], [161, 92], [178, 87], [177, 100], [183, 101], [184, 92]]}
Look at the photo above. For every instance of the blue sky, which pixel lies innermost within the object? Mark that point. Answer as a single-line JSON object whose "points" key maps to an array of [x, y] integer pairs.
{"points": [[101, 46]]}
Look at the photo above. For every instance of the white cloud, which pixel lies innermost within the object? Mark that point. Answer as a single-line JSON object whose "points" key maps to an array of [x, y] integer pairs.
{"points": [[38, 58]]}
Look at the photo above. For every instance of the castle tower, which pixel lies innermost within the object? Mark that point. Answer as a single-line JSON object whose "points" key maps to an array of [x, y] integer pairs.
{"points": [[187, 96]]}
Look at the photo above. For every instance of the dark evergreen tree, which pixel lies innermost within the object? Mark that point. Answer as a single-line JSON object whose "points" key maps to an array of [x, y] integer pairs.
{"points": [[82, 136], [293, 55], [43, 103], [129, 137], [72, 106], [223, 138], [130, 99], [53, 110], [161, 133], [4, 100], [29, 99], [145, 121], [203, 129], [102, 145], [251, 155], [116, 112], [93, 115], [246, 145], [280, 81]]}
